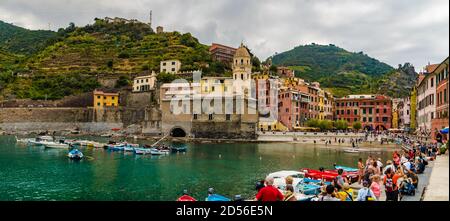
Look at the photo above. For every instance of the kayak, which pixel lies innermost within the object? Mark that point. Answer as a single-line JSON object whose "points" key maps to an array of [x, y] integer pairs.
{"points": [[348, 169], [329, 175], [186, 198], [217, 197]]}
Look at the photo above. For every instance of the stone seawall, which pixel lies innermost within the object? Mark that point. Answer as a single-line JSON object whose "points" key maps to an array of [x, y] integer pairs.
{"points": [[88, 119], [90, 127]]}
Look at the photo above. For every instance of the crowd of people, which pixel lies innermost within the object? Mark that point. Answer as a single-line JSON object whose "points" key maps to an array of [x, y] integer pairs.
{"points": [[398, 177]]}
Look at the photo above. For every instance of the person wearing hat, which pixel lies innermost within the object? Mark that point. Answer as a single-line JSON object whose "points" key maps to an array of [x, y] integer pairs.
{"points": [[346, 194]]}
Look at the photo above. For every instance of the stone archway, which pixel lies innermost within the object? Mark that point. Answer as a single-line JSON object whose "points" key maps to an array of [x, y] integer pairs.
{"points": [[177, 132]]}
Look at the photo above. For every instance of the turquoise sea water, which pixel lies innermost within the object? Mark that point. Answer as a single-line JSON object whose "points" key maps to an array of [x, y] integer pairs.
{"points": [[37, 173]]}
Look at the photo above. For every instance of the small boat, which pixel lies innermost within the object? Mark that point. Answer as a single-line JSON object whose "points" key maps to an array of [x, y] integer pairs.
{"points": [[155, 151], [128, 149], [309, 189], [142, 151], [348, 169], [41, 140], [75, 154], [279, 178], [25, 140], [178, 149], [328, 175], [217, 197], [351, 150], [186, 198], [55, 145]]}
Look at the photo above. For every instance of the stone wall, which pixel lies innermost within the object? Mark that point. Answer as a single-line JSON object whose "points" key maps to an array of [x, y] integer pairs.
{"points": [[25, 115], [224, 130]]}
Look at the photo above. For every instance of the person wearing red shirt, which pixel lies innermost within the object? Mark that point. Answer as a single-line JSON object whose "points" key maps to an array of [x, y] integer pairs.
{"points": [[269, 192]]}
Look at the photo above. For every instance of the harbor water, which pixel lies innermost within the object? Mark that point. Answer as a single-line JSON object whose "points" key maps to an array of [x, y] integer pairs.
{"points": [[38, 173]]}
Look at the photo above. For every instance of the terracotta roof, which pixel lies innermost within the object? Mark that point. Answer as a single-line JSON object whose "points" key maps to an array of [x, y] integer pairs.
{"points": [[431, 67], [215, 45]]}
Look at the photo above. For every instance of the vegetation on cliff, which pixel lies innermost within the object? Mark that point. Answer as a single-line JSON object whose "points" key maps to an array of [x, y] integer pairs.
{"points": [[99, 49], [19, 40], [340, 71]]}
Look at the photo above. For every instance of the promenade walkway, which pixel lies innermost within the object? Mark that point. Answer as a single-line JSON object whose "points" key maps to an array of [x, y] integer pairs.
{"points": [[424, 181], [438, 188]]}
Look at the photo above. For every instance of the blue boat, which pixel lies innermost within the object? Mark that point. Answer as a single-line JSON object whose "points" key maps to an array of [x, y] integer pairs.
{"points": [[75, 154], [308, 180], [347, 169], [217, 197]]}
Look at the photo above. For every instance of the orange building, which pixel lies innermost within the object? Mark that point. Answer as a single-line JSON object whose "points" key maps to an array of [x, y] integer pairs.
{"points": [[441, 119], [222, 53]]}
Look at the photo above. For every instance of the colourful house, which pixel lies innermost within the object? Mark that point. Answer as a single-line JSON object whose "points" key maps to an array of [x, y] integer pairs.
{"points": [[105, 99]]}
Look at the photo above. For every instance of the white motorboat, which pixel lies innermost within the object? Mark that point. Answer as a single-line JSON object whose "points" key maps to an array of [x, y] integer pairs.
{"points": [[25, 140], [154, 151], [55, 145], [352, 150], [41, 140], [279, 178]]}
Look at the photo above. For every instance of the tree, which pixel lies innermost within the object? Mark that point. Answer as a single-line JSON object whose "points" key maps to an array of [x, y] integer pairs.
{"points": [[325, 125], [273, 69], [312, 123], [164, 77], [341, 125], [123, 81], [357, 125]]}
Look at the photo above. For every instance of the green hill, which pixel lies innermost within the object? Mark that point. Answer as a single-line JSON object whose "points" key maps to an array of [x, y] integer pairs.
{"points": [[341, 71], [23, 41], [116, 48], [103, 49]]}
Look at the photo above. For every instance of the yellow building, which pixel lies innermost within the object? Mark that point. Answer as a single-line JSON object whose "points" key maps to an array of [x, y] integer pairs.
{"points": [[321, 105], [104, 99], [216, 85]]}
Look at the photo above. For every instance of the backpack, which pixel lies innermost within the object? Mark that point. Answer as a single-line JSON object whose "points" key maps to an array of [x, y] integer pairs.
{"points": [[390, 186]]}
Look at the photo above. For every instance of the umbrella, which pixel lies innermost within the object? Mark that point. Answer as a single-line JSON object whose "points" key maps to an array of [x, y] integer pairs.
{"points": [[445, 130]]}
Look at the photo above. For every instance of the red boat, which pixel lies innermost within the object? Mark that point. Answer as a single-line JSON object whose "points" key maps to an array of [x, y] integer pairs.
{"points": [[186, 198], [329, 175]]}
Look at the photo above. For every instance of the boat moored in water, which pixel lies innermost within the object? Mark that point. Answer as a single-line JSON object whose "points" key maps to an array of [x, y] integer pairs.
{"points": [[55, 145], [75, 154]]}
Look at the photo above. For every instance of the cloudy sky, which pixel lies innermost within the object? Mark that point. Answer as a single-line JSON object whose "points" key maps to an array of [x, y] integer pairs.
{"points": [[393, 31]]}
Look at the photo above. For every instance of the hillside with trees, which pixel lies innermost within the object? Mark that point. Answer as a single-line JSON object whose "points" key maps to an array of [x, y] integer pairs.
{"points": [[100, 49], [19, 40], [340, 71]]}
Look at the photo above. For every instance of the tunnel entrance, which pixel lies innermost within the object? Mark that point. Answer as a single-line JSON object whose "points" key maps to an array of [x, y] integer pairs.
{"points": [[177, 132]]}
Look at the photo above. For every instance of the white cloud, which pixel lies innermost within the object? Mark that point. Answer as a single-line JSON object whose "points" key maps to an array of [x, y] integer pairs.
{"points": [[415, 31]]}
